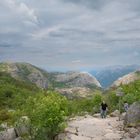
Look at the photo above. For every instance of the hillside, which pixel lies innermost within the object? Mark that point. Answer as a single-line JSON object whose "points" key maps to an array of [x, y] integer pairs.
{"points": [[127, 79], [77, 79], [62, 82], [13, 93], [25, 72], [108, 75], [21, 98], [81, 84], [128, 86]]}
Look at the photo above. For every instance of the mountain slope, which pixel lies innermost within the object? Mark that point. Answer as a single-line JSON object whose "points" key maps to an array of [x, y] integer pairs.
{"points": [[108, 75], [81, 84], [127, 79], [77, 79], [13, 93], [25, 72], [56, 80]]}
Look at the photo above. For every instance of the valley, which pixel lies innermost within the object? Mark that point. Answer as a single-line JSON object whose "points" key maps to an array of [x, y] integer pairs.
{"points": [[48, 100]]}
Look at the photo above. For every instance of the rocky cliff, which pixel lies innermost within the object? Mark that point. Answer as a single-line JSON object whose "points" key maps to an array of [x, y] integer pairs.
{"points": [[80, 83], [131, 77], [77, 79]]}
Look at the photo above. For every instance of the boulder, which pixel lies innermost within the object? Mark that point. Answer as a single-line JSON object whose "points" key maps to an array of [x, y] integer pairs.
{"points": [[3, 126], [60, 136], [97, 115], [9, 134], [122, 117], [23, 126], [138, 137], [131, 133], [116, 113], [112, 136], [132, 117]]}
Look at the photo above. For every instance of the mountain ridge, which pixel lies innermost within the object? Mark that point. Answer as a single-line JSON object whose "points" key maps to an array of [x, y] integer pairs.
{"points": [[108, 75], [66, 83], [127, 79]]}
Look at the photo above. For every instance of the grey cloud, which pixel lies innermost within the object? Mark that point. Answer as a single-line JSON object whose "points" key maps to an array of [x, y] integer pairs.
{"points": [[66, 34], [96, 4]]}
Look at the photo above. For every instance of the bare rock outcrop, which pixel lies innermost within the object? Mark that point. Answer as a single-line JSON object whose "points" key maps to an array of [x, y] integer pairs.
{"points": [[75, 92], [78, 79], [91, 128], [133, 114], [9, 134], [127, 79]]}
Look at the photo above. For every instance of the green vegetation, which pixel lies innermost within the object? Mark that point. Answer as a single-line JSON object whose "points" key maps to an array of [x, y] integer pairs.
{"points": [[13, 94], [12, 90], [47, 114], [80, 106], [48, 111], [112, 100], [132, 92]]}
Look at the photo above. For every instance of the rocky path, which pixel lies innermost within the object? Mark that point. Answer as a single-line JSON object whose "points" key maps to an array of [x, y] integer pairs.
{"points": [[91, 128]]}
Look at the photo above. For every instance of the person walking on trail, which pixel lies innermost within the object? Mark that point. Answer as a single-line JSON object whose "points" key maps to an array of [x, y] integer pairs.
{"points": [[126, 106], [103, 109]]}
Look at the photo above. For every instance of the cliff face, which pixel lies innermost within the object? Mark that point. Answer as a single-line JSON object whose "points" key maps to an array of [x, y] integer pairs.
{"points": [[76, 84], [77, 79], [131, 77]]}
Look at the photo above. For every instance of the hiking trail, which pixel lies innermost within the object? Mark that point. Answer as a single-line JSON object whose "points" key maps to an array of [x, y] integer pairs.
{"points": [[94, 128]]}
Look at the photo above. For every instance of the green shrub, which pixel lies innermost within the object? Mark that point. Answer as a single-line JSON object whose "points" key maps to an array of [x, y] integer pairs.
{"points": [[132, 92], [80, 106], [47, 115], [4, 115], [112, 101]]}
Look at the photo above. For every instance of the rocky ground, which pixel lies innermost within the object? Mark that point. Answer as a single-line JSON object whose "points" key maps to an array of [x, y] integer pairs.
{"points": [[96, 128]]}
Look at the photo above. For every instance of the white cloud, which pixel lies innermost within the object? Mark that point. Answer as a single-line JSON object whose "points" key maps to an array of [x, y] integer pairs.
{"points": [[76, 61], [45, 32], [21, 9]]}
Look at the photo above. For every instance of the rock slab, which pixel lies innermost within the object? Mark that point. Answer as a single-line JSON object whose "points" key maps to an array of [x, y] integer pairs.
{"points": [[133, 114]]}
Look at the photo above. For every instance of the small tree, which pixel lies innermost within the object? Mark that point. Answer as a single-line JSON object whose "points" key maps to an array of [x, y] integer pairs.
{"points": [[47, 115]]}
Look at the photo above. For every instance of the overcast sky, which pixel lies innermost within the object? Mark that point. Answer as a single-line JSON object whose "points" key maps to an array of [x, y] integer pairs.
{"points": [[70, 34]]}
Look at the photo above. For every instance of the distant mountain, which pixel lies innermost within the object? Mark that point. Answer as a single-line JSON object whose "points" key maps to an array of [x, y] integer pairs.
{"points": [[82, 84], [25, 72], [127, 79], [108, 75], [77, 79], [62, 82]]}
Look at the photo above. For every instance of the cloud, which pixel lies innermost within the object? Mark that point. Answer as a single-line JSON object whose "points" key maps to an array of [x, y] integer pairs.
{"points": [[96, 4], [45, 32], [20, 9], [66, 34], [76, 61]]}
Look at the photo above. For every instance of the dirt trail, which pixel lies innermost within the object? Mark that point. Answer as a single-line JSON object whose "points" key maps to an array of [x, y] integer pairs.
{"points": [[91, 128]]}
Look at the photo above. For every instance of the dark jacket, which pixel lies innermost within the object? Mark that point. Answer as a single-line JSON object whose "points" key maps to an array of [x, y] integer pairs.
{"points": [[104, 106]]}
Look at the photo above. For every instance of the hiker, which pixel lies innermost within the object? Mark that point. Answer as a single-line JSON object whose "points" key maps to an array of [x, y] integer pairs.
{"points": [[126, 106], [103, 109]]}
